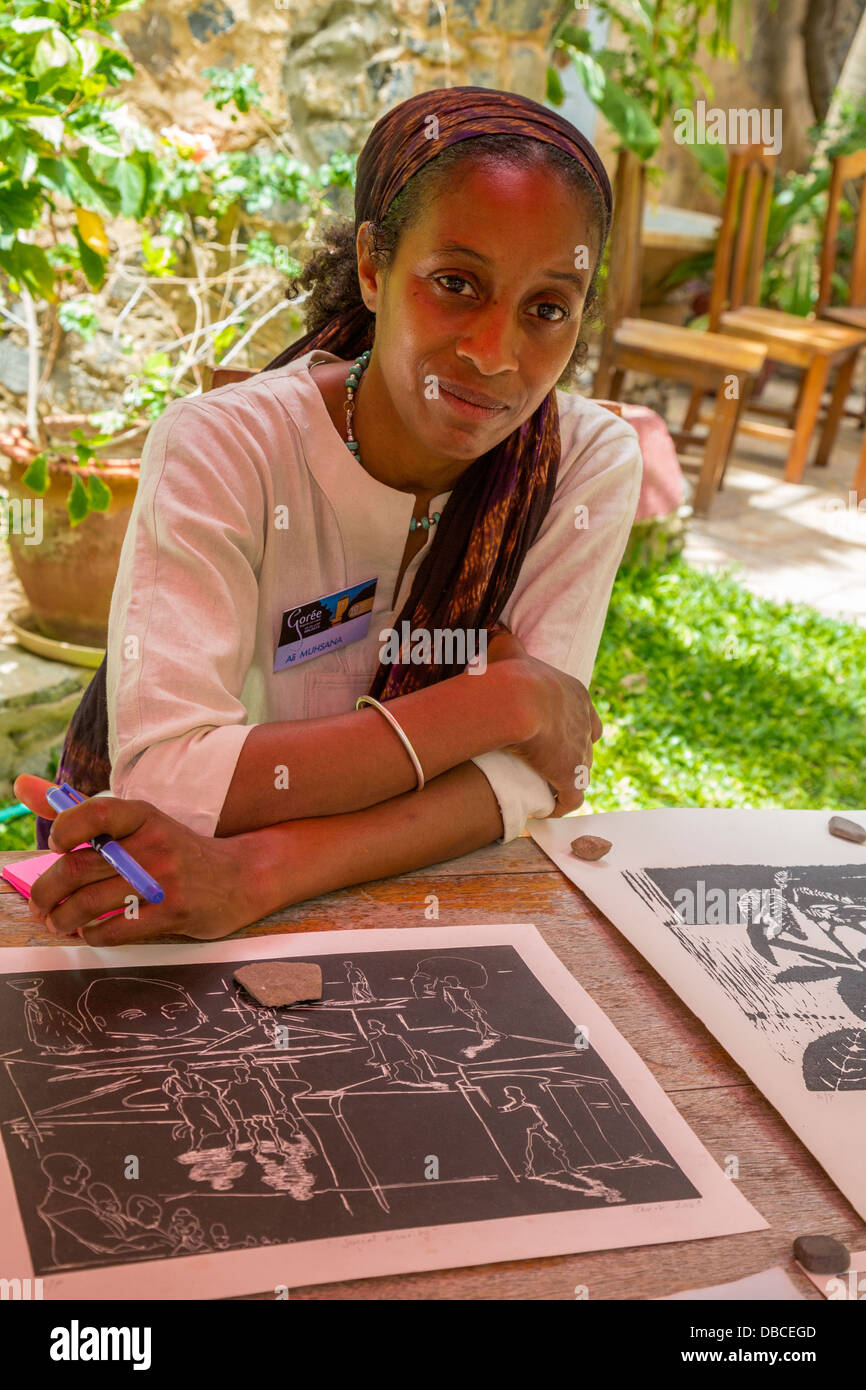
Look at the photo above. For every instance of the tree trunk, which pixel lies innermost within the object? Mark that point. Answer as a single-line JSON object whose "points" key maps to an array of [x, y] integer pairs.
{"points": [[830, 30]]}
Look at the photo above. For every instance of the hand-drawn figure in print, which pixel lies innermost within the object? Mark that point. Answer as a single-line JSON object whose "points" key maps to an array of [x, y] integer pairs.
{"points": [[187, 1231], [144, 1211], [538, 1132], [257, 1108], [393, 1054], [124, 1010], [77, 1224], [49, 1027], [219, 1236], [107, 1203], [460, 1001], [207, 1122], [423, 984], [361, 991]]}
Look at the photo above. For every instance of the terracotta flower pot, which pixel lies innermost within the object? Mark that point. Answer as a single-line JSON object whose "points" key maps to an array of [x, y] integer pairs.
{"points": [[68, 577]]}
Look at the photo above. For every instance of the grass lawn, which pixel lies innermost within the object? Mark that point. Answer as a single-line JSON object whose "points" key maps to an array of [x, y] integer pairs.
{"points": [[712, 697]]}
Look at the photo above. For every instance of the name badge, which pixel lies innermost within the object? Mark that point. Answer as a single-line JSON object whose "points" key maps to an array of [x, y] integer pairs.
{"points": [[314, 628]]}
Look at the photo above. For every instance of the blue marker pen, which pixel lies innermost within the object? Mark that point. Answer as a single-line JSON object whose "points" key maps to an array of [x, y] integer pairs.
{"points": [[64, 797]]}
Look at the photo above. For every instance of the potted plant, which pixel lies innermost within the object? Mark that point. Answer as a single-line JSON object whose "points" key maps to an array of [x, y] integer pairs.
{"points": [[204, 264]]}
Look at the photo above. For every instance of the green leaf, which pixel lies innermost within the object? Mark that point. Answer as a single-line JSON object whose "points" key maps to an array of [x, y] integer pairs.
{"points": [[36, 476], [53, 51], [225, 337], [99, 494], [92, 264], [130, 182], [555, 91], [628, 116], [30, 265], [77, 503]]}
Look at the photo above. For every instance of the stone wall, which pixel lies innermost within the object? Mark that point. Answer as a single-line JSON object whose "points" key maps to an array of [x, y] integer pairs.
{"points": [[329, 68]]}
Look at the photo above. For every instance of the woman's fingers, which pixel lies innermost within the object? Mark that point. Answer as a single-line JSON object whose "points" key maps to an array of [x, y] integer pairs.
{"points": [[99, 815], [30, 791], [120, 930], [70, 876]]}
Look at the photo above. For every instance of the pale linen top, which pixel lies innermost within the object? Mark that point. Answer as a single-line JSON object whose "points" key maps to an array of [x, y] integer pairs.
{"points": [[206, 572]]}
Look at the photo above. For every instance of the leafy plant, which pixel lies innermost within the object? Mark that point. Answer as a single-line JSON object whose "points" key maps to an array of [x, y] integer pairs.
{"points": [[636, 88], [74, 160]]}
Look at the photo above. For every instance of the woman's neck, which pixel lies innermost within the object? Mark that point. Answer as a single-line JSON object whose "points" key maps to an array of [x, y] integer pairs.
{"points": [[385, 452]]}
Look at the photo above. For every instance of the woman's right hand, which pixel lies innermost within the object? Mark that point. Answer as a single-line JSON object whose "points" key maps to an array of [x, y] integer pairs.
{"points": [[560, 748]]}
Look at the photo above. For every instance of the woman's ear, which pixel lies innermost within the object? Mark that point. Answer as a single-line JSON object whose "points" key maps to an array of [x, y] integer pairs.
{"points": [[368, 273]]}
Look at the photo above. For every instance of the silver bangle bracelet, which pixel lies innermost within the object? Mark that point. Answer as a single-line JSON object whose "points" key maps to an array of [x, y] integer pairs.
{"points": [[419, 772]]}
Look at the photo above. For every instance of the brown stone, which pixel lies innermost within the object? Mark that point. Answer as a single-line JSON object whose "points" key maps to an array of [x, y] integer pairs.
{"points": [[274, 982], [590, 846], [847, 829], [822, 1254]]}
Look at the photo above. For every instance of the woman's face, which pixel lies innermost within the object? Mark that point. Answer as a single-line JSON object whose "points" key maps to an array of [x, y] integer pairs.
{"points": [[485, 295]]}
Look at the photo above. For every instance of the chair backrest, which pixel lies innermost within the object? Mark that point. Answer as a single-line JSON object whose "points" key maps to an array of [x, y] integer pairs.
{"points": [[214, 377], [623, 285], [741, 246], [845, 167]]}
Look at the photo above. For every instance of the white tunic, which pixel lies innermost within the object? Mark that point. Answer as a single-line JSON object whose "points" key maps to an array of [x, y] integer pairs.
{"points": [[208, 567]]}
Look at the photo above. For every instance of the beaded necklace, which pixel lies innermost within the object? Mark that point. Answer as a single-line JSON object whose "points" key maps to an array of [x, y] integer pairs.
{"points": [[352, 381]]}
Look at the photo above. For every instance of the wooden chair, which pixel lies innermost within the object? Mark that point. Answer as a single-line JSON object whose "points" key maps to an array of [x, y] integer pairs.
{"points": [[846, 167], [705, 361], [816, 347]]}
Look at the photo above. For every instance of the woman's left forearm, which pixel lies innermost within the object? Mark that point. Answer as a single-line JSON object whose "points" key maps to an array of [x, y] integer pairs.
{"points": [[301, 859]]}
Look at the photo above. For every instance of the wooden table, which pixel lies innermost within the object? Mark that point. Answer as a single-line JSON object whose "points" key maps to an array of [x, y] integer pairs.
{"points": [[518, 883]]}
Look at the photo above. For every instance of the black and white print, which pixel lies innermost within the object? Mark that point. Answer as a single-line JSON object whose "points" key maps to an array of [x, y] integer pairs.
{"points": [[152, 1113], [788, 947]]}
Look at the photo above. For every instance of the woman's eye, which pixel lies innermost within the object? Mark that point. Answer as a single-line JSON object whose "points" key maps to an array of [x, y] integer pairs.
{"points": [[559, 308], [460, 280]]}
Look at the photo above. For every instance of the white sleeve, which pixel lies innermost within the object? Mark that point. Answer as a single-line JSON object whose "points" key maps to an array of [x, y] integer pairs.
{"points": [[560, 601], [183, 616]]}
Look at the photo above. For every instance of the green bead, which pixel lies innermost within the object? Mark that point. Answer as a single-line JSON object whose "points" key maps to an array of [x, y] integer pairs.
{"points": [[436, 516], [425, 523], [352, 444], [413, 524]]}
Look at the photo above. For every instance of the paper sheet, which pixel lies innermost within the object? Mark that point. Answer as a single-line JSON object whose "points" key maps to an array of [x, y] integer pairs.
{"points": [[849, 1287], [768, 1285], [454, 1099], [757, 919]]}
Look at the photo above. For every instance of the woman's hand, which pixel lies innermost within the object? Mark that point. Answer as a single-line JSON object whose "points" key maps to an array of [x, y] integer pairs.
{"points": [[212, 887], [567, 725]]}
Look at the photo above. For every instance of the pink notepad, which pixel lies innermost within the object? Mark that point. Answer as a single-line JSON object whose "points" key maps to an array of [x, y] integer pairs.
{"points": [[24, 873]]}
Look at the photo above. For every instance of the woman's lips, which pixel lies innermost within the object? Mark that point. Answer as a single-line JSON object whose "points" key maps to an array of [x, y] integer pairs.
{"points": [[466, 408]]}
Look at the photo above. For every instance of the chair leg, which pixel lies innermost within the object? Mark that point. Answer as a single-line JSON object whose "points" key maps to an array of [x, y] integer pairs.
{"points": [[716, 451], [693, 409], [807, 416], [616, 381], [744, 387], [859, 483], [836, 408]]}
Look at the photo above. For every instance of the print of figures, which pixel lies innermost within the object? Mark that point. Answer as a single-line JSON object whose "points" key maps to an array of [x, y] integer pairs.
{"points": [[48, 1026], [253, 1126]]}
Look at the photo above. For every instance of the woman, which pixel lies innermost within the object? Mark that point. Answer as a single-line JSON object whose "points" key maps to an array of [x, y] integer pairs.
{"points": [[353, 479]]}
